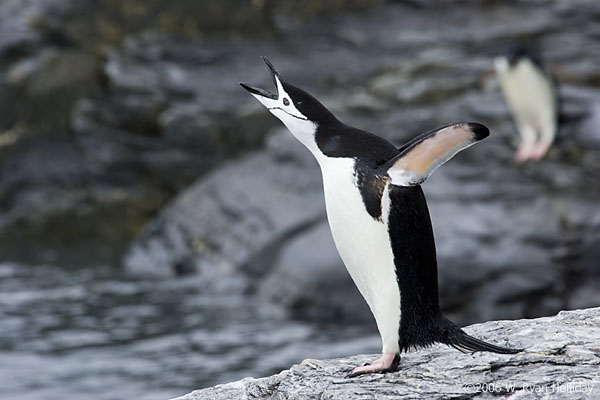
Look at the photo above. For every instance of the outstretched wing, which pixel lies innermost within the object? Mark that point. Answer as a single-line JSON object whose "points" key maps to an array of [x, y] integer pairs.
{"points": [[424, 154]]}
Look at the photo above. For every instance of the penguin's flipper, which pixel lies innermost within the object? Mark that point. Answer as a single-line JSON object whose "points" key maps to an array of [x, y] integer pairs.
{"points": [[424, 154]]}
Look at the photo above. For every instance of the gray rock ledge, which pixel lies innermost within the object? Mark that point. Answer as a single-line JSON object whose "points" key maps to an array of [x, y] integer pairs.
{"points": [[561, 360]]}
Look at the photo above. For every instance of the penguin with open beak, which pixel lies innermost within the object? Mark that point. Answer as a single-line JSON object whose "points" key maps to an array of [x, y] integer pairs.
{"points": [[379, 218]]}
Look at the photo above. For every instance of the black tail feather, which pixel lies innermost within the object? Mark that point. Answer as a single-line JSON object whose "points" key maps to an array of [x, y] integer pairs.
{"points": [[426, 331], [466, 343], [457, 338]]}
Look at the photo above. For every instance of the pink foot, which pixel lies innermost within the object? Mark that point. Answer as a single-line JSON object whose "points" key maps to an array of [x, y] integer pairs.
{"points": [[388, 362], [539, 150], [524, 152]]}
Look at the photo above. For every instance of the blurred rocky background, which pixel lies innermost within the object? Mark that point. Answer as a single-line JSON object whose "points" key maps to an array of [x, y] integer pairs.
{"points": [[161, 232]]}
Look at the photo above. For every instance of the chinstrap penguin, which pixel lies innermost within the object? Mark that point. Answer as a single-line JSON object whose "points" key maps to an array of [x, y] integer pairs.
{"points": [[379, 218], [530, 92]]}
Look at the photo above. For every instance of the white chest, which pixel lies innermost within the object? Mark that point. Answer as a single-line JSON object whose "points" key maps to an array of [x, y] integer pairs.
{"points": [[530, 95], [364, 245]]}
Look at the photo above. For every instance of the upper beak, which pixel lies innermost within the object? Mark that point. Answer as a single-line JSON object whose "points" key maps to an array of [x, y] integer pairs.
{"points": [[261, 92]]}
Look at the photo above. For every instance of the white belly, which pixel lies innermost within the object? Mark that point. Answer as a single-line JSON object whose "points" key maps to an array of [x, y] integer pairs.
{"points": [[532, 100], [364, 246]]}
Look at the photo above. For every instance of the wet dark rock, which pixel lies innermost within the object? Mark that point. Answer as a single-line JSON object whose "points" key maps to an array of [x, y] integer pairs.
{"points": [[560, 360], [137, 88], [113, 20], [18, 18], [310, 281], [40, 76], [53, 71], [237, 218], [167, 116], [22, 181]]}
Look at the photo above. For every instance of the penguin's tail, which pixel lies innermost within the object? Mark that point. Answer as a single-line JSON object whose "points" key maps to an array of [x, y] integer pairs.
{"points": [[458, 339], [466, 344], [425, 331]]}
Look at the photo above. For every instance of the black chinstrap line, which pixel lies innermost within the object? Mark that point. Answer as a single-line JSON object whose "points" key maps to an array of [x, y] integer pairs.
{"points": [[290, 114]]}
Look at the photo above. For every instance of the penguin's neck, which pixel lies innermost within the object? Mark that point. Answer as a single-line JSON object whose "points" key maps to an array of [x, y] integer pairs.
{"points": [[305, 131]]}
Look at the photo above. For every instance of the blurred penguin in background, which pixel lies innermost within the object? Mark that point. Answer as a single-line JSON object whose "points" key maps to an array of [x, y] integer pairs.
{"points": [[531, 95]]}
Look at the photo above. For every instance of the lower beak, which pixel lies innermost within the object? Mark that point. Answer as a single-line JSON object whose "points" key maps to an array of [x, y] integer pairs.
{"points": [[262, 92], [259, 92]]}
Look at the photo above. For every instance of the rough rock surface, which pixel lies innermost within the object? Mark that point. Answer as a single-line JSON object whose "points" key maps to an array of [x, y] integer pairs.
{"points": [[561, 360]]}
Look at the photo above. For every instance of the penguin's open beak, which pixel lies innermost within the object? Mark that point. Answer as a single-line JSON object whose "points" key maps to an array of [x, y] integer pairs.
{"points": [[262, 92]]}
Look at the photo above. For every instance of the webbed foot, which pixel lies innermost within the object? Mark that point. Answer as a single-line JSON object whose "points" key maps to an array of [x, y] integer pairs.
{"points": [[388, 362]]}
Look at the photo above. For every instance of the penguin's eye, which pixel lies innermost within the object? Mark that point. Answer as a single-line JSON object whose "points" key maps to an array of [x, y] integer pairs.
{"points": [[286, 102]]}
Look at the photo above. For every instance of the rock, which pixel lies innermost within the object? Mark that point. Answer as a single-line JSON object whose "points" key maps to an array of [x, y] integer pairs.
{"points": [[309, 280], [237, 218], [52, 72], [146, 97], [155, 122], [18, 20], [112, 20], [40, 69], [560, 360], [25, 186]]}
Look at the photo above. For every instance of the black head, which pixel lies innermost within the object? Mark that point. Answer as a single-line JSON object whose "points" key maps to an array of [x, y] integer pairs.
{"points": [[307, 104], [515, 53]]}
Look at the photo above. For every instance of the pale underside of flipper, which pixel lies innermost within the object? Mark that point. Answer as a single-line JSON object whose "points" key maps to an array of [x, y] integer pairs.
{"points": [[423, 155]]}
